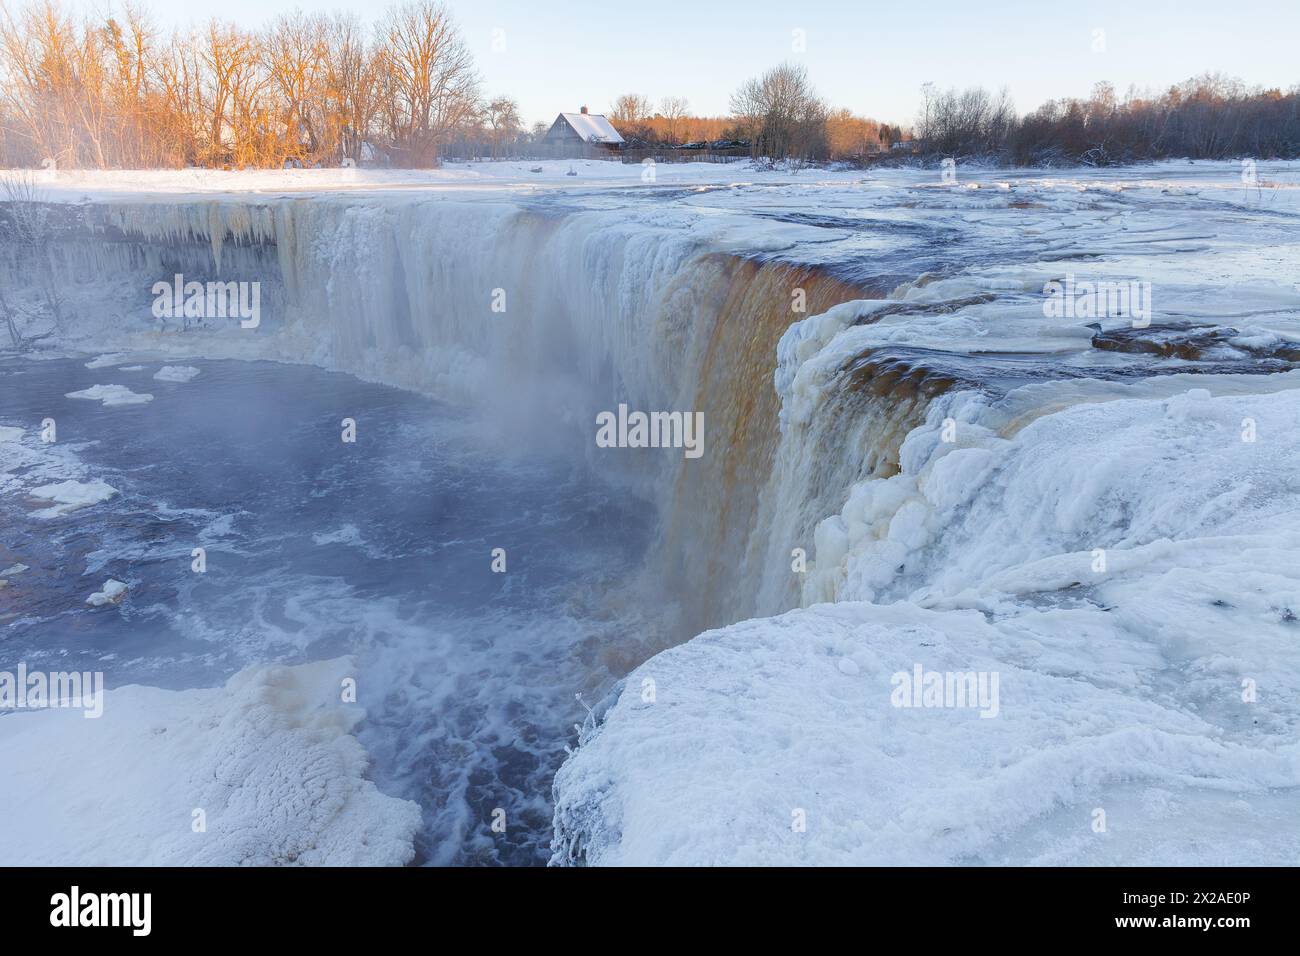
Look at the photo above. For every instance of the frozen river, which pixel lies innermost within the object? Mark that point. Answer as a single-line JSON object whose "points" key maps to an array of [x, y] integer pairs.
{"points": [[1031, 428]]}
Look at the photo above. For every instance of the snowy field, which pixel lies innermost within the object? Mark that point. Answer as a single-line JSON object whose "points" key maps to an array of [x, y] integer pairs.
{"points": [[939, 468]]}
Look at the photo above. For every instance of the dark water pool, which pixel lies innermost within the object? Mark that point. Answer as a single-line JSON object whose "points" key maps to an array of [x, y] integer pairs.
{"points": [[315, 547]]}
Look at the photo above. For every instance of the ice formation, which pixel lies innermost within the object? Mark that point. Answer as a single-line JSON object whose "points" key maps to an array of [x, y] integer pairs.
{"points": [[111, 593], [263, 771], [175, 373], [111, 396], [68, 496], [908, 461], [1141, 598]]}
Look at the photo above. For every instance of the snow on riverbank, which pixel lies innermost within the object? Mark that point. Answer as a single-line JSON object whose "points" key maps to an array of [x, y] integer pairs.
{"points": [[760, 749], [514, 175], [528, 175], [268, 760], [1129, 569]]}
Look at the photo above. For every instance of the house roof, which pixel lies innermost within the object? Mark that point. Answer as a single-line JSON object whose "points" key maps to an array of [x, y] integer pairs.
{"points": [[592, 127]]}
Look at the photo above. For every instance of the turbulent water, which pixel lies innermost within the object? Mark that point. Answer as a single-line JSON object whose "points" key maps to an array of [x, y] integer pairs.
{"points": [[380, 548], [536, 317]]}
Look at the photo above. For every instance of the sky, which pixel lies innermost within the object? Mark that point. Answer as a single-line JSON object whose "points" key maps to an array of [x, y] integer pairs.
{"points": [[869, 56]]}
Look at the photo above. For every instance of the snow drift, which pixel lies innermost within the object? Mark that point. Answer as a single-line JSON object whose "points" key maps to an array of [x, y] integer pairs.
{"points": [[1121, 681], [267, 763]]}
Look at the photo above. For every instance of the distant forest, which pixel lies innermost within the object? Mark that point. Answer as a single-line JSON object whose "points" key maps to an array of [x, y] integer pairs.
{"points": [[1208, 117], [307, 90]]}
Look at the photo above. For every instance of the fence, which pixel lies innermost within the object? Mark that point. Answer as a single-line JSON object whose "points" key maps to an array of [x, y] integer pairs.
{"points": [[638, 154], [467, 150]]}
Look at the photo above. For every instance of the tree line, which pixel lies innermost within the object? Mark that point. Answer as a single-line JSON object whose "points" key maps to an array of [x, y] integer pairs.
{"points": [[116, 91], [309, 89], [778, 114], [1206, 117]]}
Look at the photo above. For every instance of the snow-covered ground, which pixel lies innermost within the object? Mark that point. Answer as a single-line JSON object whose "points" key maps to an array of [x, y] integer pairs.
{"points": [[1114, 541], [1128, 568], [1095, 514], [101, 185], [72, 185], [263, 771]]}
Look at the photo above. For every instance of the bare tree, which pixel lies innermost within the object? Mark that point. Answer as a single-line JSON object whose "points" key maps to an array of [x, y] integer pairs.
{"points": [[352, 83], [229, 88], [504, 125], [849, 136], [964, 122], [673, 109], [631, 109], [430, 87], [43, 85], [133, 105], [294, 54], [781, 114], [630, 114]]}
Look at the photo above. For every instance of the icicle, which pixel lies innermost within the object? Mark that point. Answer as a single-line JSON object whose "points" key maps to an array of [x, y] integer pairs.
{"points": [[216, 233]]}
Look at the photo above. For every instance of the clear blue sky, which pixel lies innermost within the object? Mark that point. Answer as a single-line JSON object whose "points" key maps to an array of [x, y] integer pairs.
{"points": [[870, 56]]}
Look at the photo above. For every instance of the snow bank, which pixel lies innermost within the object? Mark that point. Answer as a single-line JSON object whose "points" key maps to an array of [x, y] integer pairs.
{"points": [[98, 185], [1116, 476], [1130, 571], [1216, 180], [760, 748], [269, 760]]}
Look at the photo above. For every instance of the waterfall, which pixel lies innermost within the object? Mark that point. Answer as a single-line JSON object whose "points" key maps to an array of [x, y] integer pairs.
{"points": [[542, 318]]}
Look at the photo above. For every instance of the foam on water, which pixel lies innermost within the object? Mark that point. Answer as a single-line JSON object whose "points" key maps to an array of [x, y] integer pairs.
{"points": [[316, 548]]}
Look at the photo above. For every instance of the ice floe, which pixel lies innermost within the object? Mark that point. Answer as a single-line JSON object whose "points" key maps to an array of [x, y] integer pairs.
{"points": [[176, 373], [111, 395], [68, 496], [111, 593]]}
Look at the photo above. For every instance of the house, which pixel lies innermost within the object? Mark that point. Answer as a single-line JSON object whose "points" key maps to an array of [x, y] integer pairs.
{"points": [[577, 129]]}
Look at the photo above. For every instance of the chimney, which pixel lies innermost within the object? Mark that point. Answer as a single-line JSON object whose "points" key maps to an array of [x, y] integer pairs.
{"points": [[584, 111]]}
